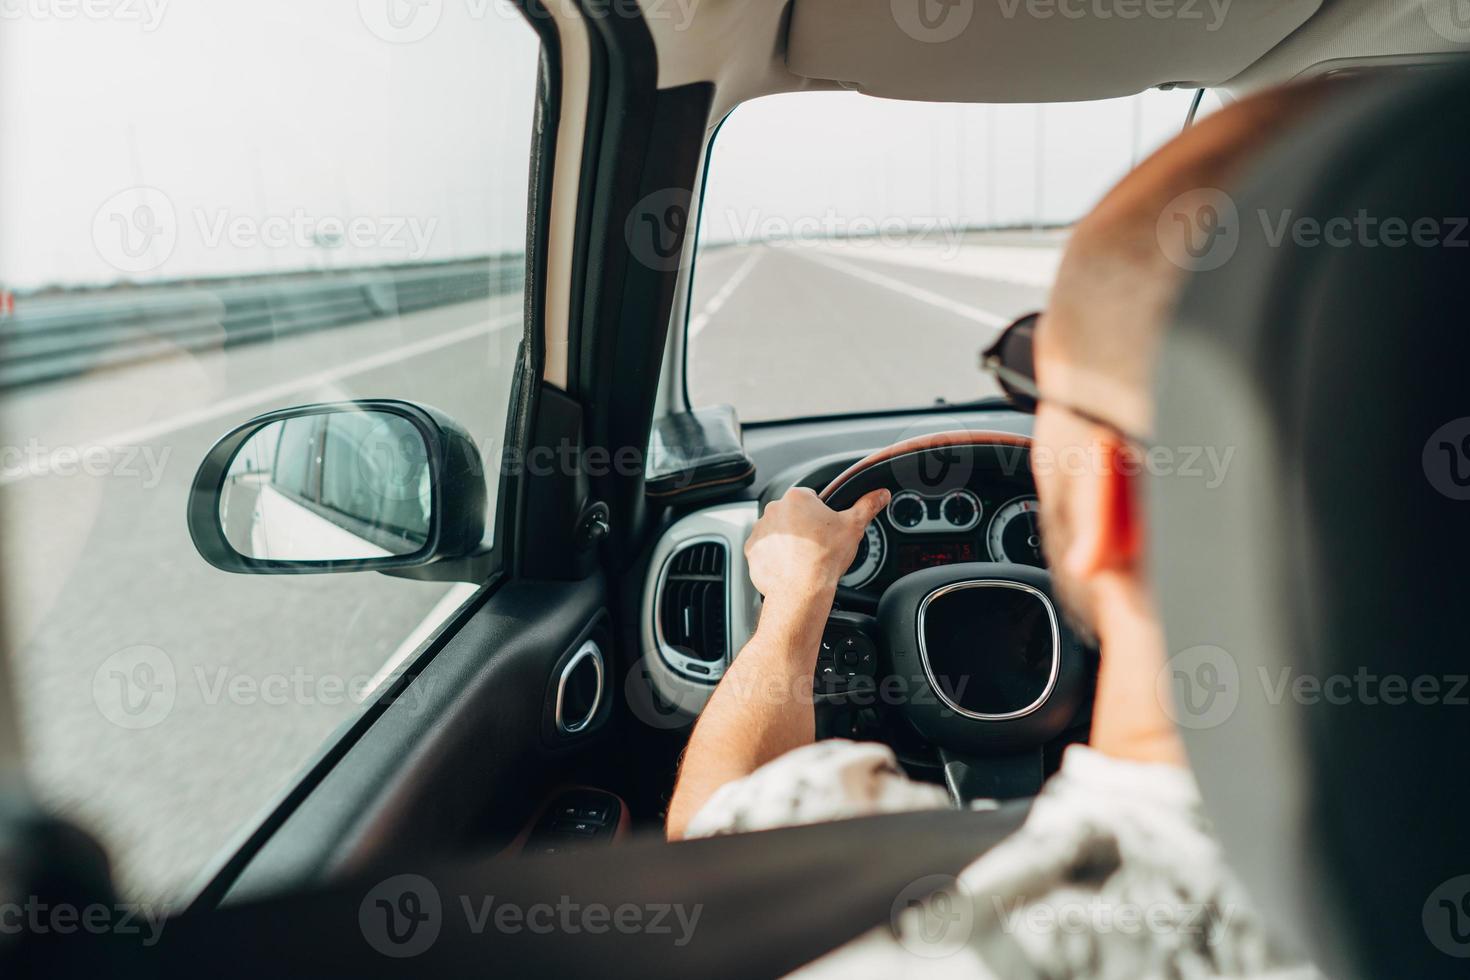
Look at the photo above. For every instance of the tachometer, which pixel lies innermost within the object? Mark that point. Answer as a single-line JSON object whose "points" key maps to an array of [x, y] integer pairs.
{"points": [[869, 558], [1015, 533]]}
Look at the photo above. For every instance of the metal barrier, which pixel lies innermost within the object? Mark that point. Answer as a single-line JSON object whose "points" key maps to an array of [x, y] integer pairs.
{"points": [[53, 335]]}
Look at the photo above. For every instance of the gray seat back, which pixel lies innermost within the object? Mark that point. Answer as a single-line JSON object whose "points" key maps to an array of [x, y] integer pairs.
{"points": [[1316, 601]]}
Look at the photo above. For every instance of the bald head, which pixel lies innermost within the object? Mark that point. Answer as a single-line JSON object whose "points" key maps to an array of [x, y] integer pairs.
{"points": [[1099, 339]]}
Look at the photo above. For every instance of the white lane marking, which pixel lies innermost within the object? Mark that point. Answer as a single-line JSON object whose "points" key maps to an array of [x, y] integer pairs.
{"points": [[147, 433], [1034, 266], [974, 313], [719, 299], [452, 600]]}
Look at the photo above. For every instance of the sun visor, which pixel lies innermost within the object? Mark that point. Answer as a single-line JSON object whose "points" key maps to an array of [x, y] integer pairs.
{"points": [[1032, 50]]}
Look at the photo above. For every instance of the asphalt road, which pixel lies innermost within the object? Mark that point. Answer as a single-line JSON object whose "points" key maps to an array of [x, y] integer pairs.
{"points": [[809, 330], [165, 703]]}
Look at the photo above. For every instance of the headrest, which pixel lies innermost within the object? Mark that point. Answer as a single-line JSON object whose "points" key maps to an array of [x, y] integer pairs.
{"points": [[1316, 600]]}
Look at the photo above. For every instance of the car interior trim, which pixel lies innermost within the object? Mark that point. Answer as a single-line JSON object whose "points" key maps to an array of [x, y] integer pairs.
{"points": [[691, 667], [573, 72], [729, 524], [591, 653], [1056, 649]]}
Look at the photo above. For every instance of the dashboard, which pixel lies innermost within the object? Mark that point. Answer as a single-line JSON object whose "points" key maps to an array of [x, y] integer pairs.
{"points": [[698, 607]]}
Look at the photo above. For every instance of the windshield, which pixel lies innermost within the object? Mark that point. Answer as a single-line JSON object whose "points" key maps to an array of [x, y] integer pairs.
{"points": [[856, 254]]}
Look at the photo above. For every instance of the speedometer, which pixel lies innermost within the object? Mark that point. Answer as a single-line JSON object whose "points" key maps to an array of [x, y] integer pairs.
{"points": [[869, 558], [1015, 533]]}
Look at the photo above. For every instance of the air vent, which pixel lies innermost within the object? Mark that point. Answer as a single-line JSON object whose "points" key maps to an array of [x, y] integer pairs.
{"points": [[691, 607]]}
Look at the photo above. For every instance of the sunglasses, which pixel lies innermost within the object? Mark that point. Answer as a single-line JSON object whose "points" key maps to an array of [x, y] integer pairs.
{"points": [[1011, 360]]}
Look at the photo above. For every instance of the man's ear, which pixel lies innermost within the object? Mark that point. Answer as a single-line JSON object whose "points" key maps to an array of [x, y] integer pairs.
{"points": [[1106, 533]]}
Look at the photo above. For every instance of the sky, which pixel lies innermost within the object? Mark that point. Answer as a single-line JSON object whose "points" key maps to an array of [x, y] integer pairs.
{"points": [[815, 154], [238, 113], [165, 139]]}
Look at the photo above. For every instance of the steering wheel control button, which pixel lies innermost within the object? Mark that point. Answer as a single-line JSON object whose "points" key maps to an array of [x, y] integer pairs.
{"points": [[846, 655]]}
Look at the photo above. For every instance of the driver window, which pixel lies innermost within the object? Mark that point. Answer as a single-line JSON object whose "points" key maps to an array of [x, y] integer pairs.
{"points": [[269, 204]]}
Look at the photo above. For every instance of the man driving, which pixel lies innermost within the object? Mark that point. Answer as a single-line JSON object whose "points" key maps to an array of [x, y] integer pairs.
{"points": [[1121, 820]]}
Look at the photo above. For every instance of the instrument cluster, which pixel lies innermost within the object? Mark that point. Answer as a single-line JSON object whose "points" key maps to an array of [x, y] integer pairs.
{"points": [[919, 530]]}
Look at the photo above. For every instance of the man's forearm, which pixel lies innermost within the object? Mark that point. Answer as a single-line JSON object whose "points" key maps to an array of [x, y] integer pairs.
{"points": [[761, 709]]}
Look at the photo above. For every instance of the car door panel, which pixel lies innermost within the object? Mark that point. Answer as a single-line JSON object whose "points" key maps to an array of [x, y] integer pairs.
{"points": [[462, 754]]}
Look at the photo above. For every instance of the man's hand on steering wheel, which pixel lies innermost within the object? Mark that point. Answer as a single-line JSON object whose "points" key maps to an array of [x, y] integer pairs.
{"points": [[800, 547]]}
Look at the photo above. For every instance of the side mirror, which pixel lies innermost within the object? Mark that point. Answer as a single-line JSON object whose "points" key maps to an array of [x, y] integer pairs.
{"points": [[339, 487]]}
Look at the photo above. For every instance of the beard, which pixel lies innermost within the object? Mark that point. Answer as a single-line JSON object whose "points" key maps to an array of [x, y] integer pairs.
{"points": [[1056, 536]]}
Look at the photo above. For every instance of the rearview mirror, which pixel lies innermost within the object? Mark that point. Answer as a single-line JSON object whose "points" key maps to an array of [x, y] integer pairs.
{"points": [[339, 487]]}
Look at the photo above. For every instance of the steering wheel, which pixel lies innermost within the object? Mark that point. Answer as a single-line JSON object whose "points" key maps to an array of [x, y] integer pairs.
{"points": [[976, 656]]}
